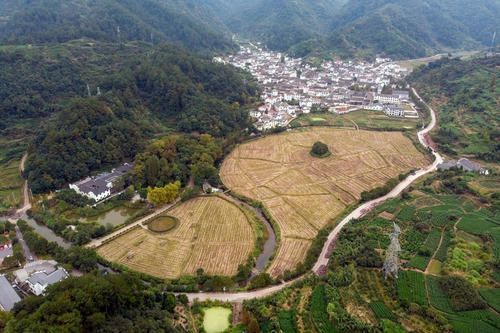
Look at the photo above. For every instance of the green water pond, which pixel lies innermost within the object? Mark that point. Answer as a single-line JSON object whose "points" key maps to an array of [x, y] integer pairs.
{"points": [[216, 319]]}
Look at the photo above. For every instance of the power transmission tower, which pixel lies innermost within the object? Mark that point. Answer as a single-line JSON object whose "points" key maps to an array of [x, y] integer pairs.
{"points": [[118, 33]]}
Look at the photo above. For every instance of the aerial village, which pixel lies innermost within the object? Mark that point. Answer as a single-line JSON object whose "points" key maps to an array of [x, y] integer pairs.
{"points": [[290, 86]]}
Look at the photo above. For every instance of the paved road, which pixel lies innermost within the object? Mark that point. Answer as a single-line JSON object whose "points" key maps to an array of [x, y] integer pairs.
{"points": [[27, 252], [98, 242], [324, 257]]}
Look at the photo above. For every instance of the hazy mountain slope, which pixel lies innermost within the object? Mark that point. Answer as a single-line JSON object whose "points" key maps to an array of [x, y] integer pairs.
{"points": [[398, 28], [278, 23], [49, 21], [406, 29]]}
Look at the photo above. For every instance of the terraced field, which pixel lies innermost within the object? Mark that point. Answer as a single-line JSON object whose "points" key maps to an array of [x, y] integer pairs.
{"points": [[212, 234], [304, 193]]}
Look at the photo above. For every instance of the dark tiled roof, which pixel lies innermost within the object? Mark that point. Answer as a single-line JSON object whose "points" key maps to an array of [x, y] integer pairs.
{"points": [[8, 296], [45, 279], [99, 183]]}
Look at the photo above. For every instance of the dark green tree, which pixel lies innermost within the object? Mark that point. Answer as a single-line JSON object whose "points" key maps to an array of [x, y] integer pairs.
{"points": [[319, 149]]}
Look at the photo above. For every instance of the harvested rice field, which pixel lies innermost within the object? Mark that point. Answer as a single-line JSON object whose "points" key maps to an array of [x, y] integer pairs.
{"points": [[211, 233], [303, 193]]}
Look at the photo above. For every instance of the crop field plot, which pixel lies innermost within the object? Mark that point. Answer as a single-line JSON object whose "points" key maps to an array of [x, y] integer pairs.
{"points": [[382, 311], [437, 296], [478, 223], [303, 193], [492, 297], [211, 233], [10, 184], [411, 287]]}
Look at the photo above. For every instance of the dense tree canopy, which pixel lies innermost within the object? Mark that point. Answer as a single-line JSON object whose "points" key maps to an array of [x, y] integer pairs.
{"points": [[177, 157], [88, 135], [171, 83], [114, 303], [466, 92], [155, 21], [319, 149], [142, 91]]}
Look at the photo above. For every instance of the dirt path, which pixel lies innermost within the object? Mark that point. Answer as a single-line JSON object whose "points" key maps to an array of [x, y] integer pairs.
{"points": [[26, 192], [435, 252], [355, 125]]}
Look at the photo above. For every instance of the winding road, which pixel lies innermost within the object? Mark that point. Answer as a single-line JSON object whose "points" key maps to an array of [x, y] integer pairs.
{"points": [[359, 212]]}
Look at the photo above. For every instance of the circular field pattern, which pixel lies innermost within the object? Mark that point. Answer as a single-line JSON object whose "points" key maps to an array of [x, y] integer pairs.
{"points": [[163, 224], [303, 193], [211, 233]]}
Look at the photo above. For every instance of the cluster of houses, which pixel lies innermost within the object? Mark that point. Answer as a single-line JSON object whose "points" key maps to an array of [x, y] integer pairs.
{"points": [[101, 186], [32, 279], [291, 86]]}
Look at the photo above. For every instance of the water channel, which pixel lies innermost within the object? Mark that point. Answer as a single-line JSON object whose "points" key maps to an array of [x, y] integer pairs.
{"points": [[46, 233]]}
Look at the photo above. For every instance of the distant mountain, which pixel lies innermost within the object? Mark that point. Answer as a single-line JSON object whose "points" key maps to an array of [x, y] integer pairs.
{"points": [[398, 28], [279, 24], [408, 29], [187, 23]]}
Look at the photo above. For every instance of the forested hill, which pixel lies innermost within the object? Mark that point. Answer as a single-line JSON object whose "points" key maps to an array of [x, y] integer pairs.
{"points": [[156, 21], [467, 94], [94, 303], [281, 24], [397, 28], [410, 29], [143, 90]]}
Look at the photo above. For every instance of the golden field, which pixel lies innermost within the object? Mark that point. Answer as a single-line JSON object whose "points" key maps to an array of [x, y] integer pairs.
{"points": [[303, 193], [212, 234]]}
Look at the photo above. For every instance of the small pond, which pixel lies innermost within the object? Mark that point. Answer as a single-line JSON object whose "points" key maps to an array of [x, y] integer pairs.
{"points": [[115, 216], [216, 319]]}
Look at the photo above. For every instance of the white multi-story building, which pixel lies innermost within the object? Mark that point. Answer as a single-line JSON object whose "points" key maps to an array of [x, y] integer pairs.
{"points": [[394, 111], [100, 187]]}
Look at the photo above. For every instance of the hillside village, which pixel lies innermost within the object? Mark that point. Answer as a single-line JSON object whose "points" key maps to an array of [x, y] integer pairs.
{"points": [[291, 86]]}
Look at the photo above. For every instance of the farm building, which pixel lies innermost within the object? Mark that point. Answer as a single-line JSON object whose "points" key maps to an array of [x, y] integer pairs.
{"points": [[464, 164], [8, 296], [101, 186]]}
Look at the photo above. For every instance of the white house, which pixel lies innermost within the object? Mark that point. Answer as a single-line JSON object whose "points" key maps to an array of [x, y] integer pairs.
{"points": [[394, 111], [374, 107], [101, 186], [384, 98], [39, 281]]}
